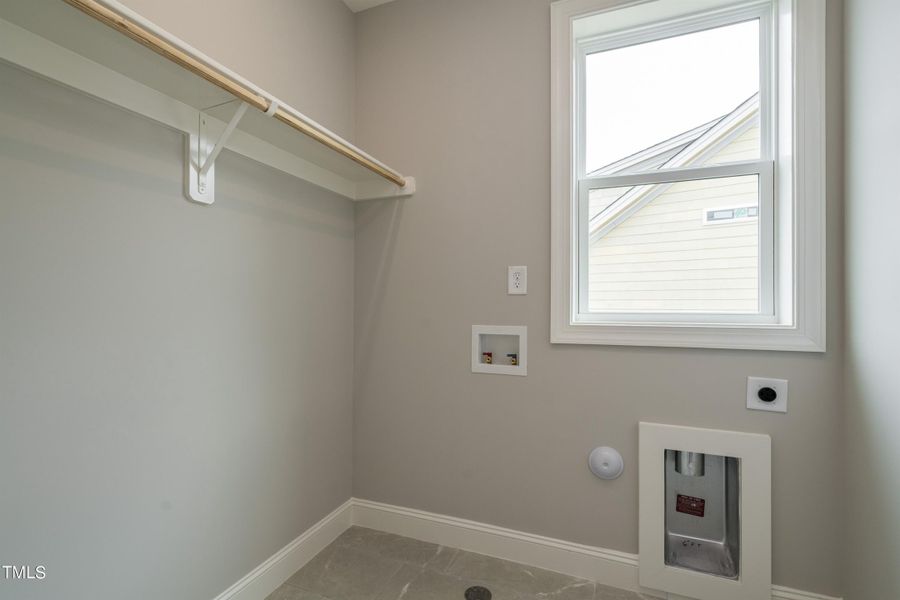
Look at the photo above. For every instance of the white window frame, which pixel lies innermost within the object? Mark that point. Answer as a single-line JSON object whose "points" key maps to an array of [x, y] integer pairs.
{"points": [[795, 172]]}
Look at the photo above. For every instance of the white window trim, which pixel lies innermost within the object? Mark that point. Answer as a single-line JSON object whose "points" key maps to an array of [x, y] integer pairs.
{"points": [[800, 174]]}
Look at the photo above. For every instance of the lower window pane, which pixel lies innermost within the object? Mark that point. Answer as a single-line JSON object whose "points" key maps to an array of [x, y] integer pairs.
{"points": [[686, 247]]}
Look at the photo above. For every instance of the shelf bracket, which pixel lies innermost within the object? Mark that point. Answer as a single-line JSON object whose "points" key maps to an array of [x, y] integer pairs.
{"points": [[202, 152]]}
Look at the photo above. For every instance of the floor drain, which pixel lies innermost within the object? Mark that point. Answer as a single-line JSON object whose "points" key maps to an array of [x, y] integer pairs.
{"points": [[476, 592]]}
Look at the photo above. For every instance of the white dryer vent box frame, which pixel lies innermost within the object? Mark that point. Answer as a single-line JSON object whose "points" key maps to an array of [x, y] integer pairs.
{"points": [[501, 340], [755, 454]]}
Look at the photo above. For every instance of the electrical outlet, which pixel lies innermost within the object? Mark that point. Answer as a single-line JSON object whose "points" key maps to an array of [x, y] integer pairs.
{"points": [[517, 281], [764, 393]]}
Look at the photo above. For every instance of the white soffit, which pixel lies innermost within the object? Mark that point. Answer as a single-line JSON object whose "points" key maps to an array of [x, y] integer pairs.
{"points": [[358, 5]]}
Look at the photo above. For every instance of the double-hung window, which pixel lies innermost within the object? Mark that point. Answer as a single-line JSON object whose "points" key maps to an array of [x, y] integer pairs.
{"points": [[688, 204]]}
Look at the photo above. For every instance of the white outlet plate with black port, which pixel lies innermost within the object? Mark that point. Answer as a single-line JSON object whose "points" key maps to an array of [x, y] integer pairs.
{"points": [[765, 393]]}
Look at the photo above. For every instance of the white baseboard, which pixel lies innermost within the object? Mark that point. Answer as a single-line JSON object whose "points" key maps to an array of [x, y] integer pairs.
{"points": [[614, 568], [267, 577], [779, 592], [609, 567]]}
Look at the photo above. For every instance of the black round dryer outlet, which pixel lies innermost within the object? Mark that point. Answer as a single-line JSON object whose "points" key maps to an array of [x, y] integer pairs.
{"points": [[767, 394]]}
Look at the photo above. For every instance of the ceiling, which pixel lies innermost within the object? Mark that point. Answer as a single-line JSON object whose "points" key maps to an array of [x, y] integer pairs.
{"points": [[358, 5]]}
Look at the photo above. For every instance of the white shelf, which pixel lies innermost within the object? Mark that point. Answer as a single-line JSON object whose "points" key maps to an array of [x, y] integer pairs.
{"points": [[63, 44]]}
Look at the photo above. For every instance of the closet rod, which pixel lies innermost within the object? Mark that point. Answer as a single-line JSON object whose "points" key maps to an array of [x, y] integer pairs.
{"points": [[142, 33]]}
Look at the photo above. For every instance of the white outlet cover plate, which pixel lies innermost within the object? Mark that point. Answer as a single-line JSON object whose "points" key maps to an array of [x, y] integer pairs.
{"points": [[754, 384], [517, 281]]}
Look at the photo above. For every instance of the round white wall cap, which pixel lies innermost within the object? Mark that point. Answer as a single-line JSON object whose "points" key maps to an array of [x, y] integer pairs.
{"points": [[606, 462]]}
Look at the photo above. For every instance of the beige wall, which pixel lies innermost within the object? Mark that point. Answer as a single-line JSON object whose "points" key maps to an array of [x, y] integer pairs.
{"points": [[457, 94], [302, 51], [175, 379], [872, 494]]}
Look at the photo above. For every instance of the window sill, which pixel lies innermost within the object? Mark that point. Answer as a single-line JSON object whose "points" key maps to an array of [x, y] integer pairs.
{"points": [[781, 338]]}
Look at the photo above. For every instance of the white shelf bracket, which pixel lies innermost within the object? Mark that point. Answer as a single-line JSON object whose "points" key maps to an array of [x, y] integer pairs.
{"points": [[200, 175]]}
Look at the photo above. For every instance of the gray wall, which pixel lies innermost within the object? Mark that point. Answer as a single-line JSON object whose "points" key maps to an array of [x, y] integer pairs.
{"points": [[872, 495], [302, 51], [457, 94], [175, 379]]}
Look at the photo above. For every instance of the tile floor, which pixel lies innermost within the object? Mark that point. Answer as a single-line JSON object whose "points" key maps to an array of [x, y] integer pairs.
{"points": [[364, 564]]}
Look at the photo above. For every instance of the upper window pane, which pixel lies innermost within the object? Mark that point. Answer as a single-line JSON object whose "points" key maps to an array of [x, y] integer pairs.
{"points": [[669, 103]]}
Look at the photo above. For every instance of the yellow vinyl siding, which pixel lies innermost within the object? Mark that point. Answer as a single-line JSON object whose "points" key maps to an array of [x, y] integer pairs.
{"points": [[704, 265], [663, 258], [743, 147], [600, 199], [611, 279]]}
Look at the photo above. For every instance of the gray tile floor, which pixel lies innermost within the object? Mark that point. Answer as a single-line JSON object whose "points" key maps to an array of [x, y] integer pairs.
{"points": [[364, 564]]}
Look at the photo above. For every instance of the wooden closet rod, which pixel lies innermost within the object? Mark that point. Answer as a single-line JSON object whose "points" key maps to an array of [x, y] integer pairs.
{"points": [[151, 40]]}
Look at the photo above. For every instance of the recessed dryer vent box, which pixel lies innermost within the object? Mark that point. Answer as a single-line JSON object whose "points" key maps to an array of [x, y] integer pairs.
{"points": [[705, 512], [500, 349]]}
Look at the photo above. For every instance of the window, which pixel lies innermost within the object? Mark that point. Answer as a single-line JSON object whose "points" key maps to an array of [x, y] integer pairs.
{"points": [[688, 207], [724, 216]]}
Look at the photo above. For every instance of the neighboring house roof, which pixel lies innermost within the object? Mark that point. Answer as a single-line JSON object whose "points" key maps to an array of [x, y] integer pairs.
{"points": [[690, 148], [656, 155]]}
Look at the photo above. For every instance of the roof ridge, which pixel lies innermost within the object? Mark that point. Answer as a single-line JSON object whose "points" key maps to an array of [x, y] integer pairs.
{"points": [[720, 129], [699, 130]]}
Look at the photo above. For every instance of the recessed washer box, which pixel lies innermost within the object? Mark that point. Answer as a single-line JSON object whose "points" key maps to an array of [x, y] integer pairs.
{"points": [[500, 349]]}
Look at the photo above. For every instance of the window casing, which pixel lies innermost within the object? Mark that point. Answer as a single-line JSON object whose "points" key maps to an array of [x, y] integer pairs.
{"points": [[785, 308]]}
